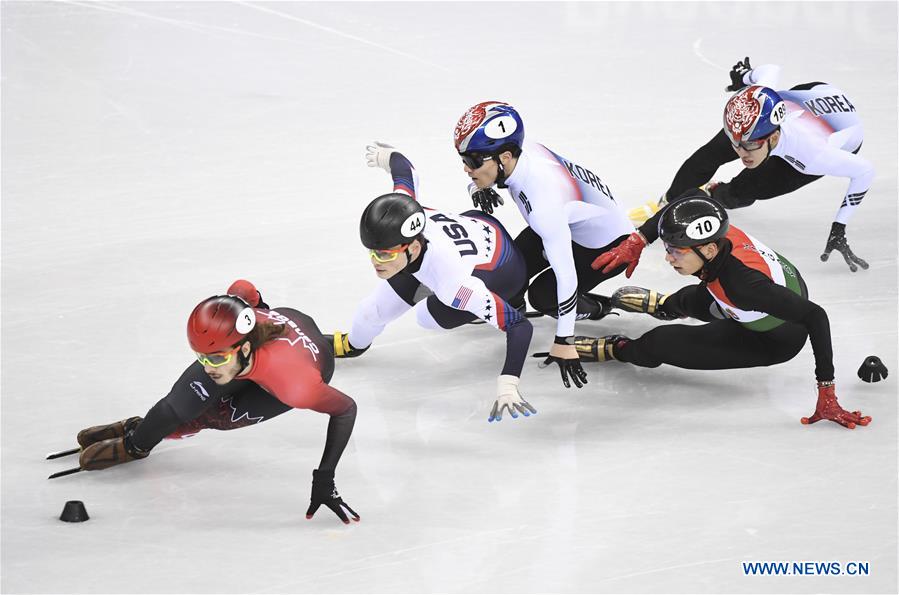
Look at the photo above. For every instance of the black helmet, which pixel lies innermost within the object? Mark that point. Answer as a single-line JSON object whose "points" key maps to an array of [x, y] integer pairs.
{"points": [[693, 221], [391, 220]]}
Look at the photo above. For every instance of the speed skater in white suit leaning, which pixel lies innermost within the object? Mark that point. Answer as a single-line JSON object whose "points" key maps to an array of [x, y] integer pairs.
{"points": [[571, 214], [452, 269], [785, 139]]}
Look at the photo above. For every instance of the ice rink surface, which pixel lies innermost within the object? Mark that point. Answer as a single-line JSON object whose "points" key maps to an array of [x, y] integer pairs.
{"points": [[154, 152]]}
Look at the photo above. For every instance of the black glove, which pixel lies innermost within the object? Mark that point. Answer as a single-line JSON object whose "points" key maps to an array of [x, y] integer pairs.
{"points": [[736, 75], [567, 367], [837, 241], [872, 369], [324, 492], [486, 199]]}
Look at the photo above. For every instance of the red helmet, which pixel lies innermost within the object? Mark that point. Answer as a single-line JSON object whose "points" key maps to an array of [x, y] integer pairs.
{"points": [[218, 323]]}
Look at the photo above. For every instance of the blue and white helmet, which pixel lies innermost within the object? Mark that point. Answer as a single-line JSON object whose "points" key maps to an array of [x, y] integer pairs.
{"points": [[753, 113], [487, 127]]}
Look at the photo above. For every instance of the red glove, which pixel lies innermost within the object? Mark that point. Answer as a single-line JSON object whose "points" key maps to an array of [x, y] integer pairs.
{"points": [[627, 252], [828, 408], [245, 291]]}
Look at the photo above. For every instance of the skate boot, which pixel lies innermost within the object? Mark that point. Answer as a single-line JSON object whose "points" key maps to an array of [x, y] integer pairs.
{"points": [[117, 429], [113, 451], [639, 215], [603, 303], [341, 347], [641, 300], [602, 349]]}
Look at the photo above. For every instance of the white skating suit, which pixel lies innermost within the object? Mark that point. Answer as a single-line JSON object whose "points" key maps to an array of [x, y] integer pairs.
{"points": [[820, 135], [564, 202], [468, 264]]}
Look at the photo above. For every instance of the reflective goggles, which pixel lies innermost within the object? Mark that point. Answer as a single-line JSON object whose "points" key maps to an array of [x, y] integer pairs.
{"points": [[215, 360], [750, 145], [387, 255], [475, 160], [676, 251]]}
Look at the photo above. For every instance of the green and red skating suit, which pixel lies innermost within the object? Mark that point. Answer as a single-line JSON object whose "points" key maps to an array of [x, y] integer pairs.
{"points": [[759, 257], [758, 313]]}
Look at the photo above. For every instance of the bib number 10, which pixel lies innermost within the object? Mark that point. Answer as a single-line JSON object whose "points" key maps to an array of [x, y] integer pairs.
{"points": [[704, 228]]}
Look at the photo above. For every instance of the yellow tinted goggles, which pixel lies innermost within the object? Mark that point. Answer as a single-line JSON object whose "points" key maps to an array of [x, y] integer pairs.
{"points": [[215, 360], [387, 255]]}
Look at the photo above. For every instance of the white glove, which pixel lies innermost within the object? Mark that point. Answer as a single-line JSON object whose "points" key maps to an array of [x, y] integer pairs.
{"points": [[508, 397], [378, 154]]}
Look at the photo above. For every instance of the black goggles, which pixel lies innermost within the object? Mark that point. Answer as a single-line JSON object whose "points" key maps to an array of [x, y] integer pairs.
{"points": [[475, 160]]}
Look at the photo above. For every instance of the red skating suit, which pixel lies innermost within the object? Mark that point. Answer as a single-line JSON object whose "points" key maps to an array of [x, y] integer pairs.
{"points": [[290, 367]]}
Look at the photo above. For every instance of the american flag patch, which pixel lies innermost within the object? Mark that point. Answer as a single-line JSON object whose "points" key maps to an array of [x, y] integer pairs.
{"points": [[461, 298]]}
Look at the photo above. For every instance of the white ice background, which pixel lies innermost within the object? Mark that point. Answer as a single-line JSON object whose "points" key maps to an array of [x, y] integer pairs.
{"points": [[154, 152]]}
